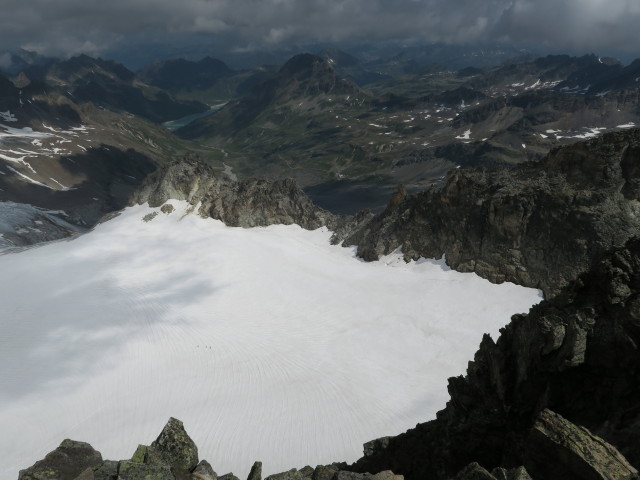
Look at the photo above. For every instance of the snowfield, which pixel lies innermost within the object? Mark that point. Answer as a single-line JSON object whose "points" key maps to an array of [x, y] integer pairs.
{"points": [[269, 343]]}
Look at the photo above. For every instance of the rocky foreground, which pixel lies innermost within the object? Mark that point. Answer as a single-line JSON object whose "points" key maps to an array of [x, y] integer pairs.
{"points": [[172, 456]]}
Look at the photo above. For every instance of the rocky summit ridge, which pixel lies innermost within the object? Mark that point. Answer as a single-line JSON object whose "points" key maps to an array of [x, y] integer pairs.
{"points": [[248, 203], [538, 224]]}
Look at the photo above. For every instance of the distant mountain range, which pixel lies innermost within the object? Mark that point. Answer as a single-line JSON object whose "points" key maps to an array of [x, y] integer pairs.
{"points": [[347, 129]]}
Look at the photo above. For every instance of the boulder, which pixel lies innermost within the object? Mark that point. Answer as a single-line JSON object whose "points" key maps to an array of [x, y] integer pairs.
{"points": [[556, 448], [174, 447], [66, 462]]}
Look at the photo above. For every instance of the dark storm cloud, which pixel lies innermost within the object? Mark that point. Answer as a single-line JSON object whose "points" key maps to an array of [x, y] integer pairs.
{"points": [[72, 26]]}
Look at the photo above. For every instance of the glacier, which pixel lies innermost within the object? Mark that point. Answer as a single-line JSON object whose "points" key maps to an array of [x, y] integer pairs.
{"points": [[268, 343]]}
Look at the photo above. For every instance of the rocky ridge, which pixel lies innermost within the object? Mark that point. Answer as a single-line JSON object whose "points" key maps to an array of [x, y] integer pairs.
{"points": [[573, 360], [248, 203], [172, 456], [538, 224]]}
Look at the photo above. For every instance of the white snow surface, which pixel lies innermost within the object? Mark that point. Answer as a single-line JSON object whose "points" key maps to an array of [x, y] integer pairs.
{"points": [[465, 136], [269, 343]]}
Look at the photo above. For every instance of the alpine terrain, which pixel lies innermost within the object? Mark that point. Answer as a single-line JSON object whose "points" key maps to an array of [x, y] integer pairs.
{"points": [[416, 262]]}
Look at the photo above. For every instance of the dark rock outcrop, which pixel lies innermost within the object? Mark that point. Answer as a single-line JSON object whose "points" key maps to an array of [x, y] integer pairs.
{"points": [[577, 355], [66, 462], [557, 448], [256, 472], [539, 224], [248, 203]]}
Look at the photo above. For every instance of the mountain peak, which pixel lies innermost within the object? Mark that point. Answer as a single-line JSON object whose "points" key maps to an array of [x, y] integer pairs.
{"points": [[307, 74], [303, 62]]}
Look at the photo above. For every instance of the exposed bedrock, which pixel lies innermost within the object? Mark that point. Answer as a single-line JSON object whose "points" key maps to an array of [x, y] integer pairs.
{"points": [[538, 224], [248, 203], [569, 365]]}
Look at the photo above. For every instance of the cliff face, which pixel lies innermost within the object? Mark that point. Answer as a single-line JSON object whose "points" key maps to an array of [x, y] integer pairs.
{"points": [[537, 224], [576, 355], [248, 203]]}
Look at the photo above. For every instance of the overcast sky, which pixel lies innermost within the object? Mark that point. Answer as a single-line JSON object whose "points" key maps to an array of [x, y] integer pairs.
{"points": [[65, 27]]}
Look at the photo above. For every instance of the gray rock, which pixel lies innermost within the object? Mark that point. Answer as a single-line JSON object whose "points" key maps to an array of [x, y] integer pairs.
{"points": [[66, 462], [248, 203], [374, 446], [256, 472], [107, 471], [325, 472], [174, 447], [307, 472], [539, 224], [556, 448], [292, 474], [128, 470], [204, 471], [228, 476], [86, 475]]}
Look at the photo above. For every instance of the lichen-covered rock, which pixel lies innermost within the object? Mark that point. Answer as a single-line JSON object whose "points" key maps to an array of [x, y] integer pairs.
{"points": [[66, 462], [107, 471], [128, 470], [175, 447], [140, 454], [556, 448]]}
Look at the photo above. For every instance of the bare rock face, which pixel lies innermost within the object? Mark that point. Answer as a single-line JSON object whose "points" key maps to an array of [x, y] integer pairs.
{"points": [[538, 224], [575, 354], [66, 462], [175, 447], [248, 203], [556, 448]]}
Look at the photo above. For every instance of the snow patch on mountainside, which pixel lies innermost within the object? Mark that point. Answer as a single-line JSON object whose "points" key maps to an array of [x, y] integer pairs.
{"points": [[268, 343]]}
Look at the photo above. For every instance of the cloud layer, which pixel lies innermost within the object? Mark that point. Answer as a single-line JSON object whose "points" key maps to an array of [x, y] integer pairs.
{"points": [[73, 26]]}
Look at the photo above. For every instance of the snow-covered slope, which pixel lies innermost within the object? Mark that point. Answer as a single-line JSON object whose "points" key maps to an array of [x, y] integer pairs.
{"points": [[268, 343]]}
